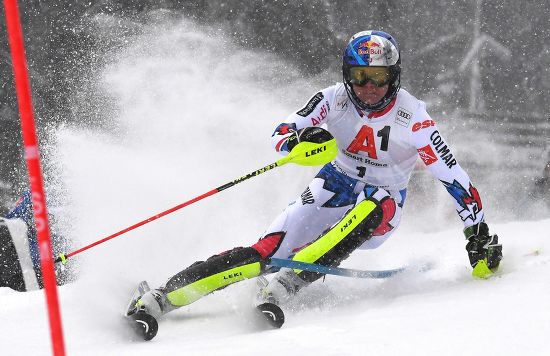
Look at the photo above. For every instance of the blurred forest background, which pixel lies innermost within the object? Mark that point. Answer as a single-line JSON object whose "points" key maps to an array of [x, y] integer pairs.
{"points": [[483, 62]]}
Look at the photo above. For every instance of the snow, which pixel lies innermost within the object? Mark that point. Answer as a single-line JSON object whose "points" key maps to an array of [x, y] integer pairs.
{"points": [[188, 121], [441, 311]]}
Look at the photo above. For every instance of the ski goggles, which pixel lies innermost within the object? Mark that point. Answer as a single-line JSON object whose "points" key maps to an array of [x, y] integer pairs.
{"points": [[379, 76]]}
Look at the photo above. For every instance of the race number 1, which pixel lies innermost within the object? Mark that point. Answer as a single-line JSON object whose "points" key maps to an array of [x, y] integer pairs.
{"points": [[364, 141]]}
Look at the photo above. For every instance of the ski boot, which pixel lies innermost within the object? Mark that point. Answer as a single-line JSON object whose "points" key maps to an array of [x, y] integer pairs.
{"points": [[281, 288]]}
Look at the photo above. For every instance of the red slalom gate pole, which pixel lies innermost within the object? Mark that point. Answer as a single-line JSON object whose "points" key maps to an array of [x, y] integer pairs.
{"points": [[15, 36]]}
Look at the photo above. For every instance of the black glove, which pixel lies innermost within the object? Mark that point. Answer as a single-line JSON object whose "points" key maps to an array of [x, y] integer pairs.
{"points": [[483, 249], [308, 134]]}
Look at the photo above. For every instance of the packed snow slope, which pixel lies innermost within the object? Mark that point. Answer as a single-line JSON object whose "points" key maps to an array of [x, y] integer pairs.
{"points": [[190, 111], [443, 311]]}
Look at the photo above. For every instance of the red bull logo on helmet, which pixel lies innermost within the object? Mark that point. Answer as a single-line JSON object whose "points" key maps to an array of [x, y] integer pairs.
{"points": [[368, 48]]}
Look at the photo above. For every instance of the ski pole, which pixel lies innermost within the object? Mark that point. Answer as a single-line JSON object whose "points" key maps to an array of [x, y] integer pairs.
{"points": [[337, 271], [304, 153]]}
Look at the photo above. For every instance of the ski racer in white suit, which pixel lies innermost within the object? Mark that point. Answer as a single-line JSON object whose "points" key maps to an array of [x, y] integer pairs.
{"points": [[380, 130]]}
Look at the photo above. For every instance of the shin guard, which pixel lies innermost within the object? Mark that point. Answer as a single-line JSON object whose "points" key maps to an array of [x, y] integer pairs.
{"points": [[215, 273], [336, 244]]}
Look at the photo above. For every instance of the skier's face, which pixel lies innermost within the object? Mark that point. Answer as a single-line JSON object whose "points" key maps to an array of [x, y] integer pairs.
{"points": [[369, 93]]}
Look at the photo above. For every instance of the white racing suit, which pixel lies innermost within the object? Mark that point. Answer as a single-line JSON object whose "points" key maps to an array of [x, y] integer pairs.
{"points": [[377, 150]]}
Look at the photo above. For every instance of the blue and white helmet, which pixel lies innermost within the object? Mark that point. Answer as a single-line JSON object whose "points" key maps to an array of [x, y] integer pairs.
{"points": [[372, 49]]}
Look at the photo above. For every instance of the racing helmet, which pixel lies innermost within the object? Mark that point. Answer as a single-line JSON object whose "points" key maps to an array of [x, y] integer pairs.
{"points": [[375, 49]]}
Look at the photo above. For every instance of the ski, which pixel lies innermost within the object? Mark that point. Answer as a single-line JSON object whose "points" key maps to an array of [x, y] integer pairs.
{"points": [[271, 313], [339, 271], [143, 324]]}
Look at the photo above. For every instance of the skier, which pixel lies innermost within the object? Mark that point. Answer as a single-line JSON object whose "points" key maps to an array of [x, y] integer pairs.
{"points": [[356, 200], [19, 255]]}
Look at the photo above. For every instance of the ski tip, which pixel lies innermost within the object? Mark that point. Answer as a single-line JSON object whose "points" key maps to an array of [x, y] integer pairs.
{"points": [[273, 314], [145, 325]]}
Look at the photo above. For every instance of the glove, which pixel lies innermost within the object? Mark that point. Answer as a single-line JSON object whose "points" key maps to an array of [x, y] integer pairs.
{"points": [[483, 249], [308, 134]]}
